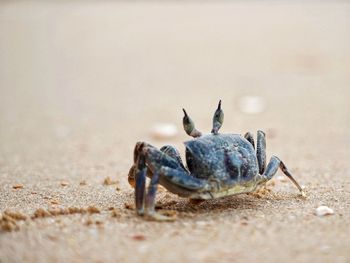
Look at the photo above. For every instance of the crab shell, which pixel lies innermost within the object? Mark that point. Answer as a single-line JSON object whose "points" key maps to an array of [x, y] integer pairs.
{"points": [[227, 161]]}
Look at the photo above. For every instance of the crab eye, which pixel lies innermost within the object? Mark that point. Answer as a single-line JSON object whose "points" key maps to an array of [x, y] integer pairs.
{"points": [[218, 119], [219, 116]]}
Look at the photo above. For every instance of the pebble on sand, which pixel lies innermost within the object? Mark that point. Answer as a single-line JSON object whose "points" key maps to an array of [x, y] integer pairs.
{"points": [[109, 181], [64, 183], [138, 237], [164, 130], [324, 211], [18, 186], [251, 104]]}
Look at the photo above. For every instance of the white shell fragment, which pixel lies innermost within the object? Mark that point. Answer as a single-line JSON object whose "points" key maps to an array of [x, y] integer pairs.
{"points": [[324, 211], [251, 104], [164, 130]]}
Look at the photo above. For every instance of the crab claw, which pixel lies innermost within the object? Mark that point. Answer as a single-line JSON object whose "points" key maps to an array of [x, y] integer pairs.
{"points": [[131, 176], [218, 119]]}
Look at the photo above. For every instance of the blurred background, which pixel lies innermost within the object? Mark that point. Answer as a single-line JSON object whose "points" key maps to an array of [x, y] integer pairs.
{"points": [[84, 70], [82, 81]]}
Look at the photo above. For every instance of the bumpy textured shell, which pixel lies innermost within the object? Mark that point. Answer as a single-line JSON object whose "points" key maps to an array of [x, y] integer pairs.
{"points": [[228, 158]]}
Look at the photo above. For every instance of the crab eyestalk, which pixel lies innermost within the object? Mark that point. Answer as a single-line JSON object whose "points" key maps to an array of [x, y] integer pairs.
{"points": [[189, 127], [218, 119]]}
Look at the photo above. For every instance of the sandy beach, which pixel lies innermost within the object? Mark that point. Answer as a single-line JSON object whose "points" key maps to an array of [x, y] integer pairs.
{"points": [[82, 82]]}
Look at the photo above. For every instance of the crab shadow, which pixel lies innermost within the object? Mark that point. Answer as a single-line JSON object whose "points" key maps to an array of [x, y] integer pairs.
{"points": [[238, 203]]}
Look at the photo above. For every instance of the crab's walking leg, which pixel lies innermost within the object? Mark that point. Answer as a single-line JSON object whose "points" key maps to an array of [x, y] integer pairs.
{"points": [[175, 180], [151, 162], [250, 138], [150, 212], [140, 182], [151, 196], [167, 168], [261, 151], [272, 168], [162, 167]]}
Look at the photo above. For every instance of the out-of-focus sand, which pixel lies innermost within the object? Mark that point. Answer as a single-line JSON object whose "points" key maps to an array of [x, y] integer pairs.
{"points": [[80, 83]]}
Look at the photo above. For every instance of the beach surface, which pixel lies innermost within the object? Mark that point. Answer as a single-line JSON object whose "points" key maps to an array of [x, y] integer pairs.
{"points": [[82, 82]]}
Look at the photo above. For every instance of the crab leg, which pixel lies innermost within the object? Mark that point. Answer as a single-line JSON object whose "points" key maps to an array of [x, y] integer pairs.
{"points": [[149, 161], [150, 212], [151, 194], [140, 182], [250, 138], [261, 151], [272, 168], [145, 202]]}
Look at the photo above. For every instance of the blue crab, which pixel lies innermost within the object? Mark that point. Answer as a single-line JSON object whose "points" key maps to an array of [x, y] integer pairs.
{"points": [[217, 165]]}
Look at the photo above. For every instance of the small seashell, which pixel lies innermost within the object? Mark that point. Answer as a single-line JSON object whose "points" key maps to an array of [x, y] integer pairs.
{"points": [[324, 211], [164, 130], [252, 104]]}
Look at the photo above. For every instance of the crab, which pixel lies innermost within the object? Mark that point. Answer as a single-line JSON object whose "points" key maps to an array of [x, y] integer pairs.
{"points": [[218, 165]]}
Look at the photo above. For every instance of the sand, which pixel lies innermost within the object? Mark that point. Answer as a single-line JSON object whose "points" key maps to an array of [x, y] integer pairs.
{"points": [[81, 83]]}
